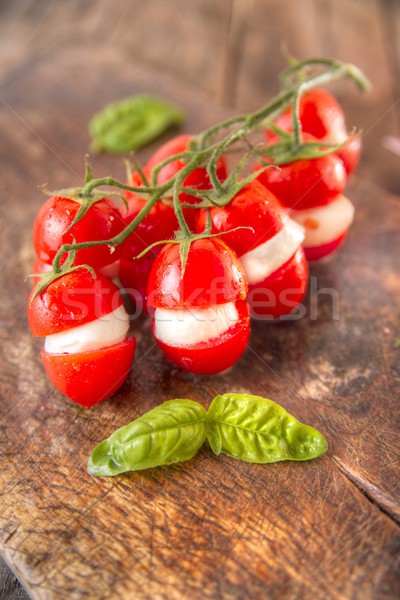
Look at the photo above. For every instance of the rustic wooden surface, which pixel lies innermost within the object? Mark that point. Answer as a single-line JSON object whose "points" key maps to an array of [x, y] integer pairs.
{"points": [[210, 528]]}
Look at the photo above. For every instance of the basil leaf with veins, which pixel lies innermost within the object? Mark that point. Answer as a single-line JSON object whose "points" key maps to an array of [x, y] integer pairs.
{"points": [[171, 432], [258, 430]]}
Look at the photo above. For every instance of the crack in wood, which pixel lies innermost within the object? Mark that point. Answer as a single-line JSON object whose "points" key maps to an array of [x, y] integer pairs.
{"points": [[371, 493]]}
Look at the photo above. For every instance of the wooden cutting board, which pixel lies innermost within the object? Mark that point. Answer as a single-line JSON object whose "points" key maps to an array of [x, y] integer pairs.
{"points": [[212, 527]]}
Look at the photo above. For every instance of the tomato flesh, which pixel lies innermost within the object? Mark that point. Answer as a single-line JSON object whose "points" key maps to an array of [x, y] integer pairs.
{"points": [[90, 377]]}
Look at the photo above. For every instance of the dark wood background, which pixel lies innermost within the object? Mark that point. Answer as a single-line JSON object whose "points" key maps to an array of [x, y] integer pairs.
{"points": [[61, 62]]}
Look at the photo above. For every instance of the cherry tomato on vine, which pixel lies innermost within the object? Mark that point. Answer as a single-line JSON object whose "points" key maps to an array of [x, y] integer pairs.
{"points": [[305, 183], [200, 316], [87, 353], [322, 116], [269, 249], [198, 179], [102, 222], [159, 224]]}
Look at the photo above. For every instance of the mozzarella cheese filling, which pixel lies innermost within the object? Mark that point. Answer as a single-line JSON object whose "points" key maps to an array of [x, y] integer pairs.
{"points": [[190, 326], [264, 260], [325, 224], [107, 331]]}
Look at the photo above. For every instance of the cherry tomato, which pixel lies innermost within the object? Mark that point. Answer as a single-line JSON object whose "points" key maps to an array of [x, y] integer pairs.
{"points": [[159, 224], [282, 291], [270, 251], [305, 183], [198, 179], [201, 319], [322, 116], [102, 221], [87, 353], [317, 253], [90, 377], [134, 276], [350, 153]]}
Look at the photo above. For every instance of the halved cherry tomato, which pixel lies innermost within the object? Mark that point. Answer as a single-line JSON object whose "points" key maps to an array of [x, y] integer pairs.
{"points": [[102, 222], [200, 318], [90, 377], [317, 253], [71, 300], [269, 249], [87, 353]]}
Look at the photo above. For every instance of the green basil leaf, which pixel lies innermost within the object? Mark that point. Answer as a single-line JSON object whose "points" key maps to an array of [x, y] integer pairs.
{"points": [[169, 433], [259, 430], [131, 123]]}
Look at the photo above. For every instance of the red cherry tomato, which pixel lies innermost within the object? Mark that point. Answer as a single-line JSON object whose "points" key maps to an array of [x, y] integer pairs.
{"points": [[77, 299], [134, 276], [305, 183], [322, 116], [216, 355], [71, 300], [159, 224], [198, 179], [257, 208], [281, 292], [213, 281], [213, 275], [316, 253], [90, 377], [350, 153], [102, 221]]}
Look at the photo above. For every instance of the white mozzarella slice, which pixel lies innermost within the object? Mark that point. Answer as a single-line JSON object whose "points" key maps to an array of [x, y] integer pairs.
{"points": [[110, 329], [190, 326], [261, 262], [325, 224]]}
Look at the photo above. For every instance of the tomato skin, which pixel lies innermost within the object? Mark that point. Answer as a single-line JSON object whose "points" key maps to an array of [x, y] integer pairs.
{"points": [[305, 183], [213, 275], [350, 153], [90, 377], [281, 291], [134, 276], [254, 207], [159, 224], [320, 115], [73, 299], [317, 253], [198, 179], [102, 221], [214, 355]]}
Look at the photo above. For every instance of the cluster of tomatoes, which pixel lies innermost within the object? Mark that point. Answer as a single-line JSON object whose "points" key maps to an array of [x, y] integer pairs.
{"points": [[254, 263]]}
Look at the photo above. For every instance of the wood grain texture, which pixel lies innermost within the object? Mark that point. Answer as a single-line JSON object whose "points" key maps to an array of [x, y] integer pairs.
{"points": [[213, 527]]}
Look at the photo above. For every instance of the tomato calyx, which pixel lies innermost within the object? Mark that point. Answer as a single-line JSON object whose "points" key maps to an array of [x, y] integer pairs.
{"points": [[283, 152], [57, 271]]}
